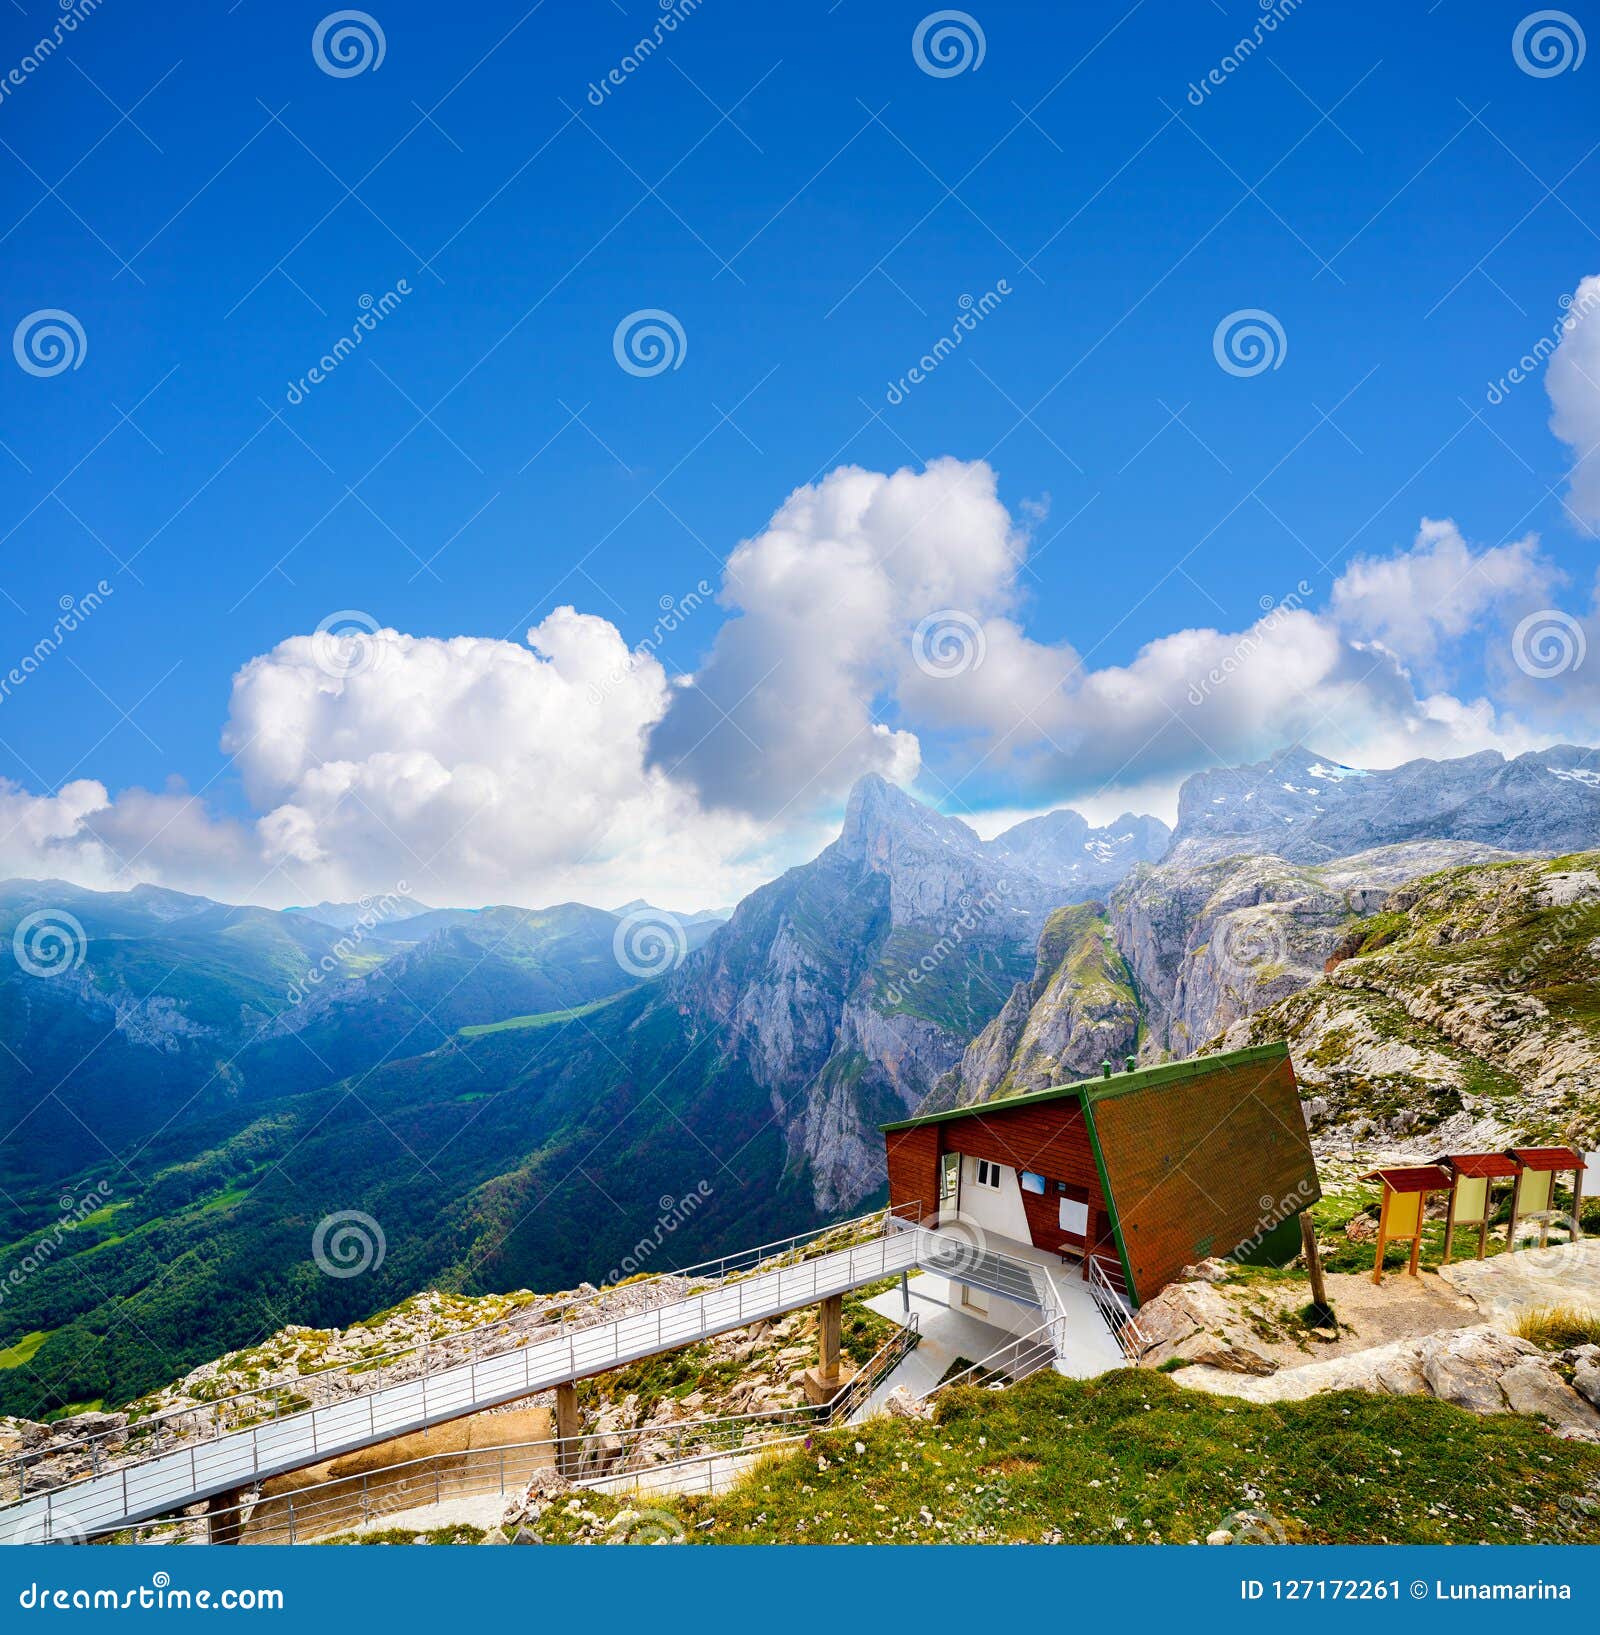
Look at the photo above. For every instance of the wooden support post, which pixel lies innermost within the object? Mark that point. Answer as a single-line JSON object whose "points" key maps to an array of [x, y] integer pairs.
{"points": [[224, 1518], [569, 1430], [1450, 1220], [1319, 1289], [830, 1320], [1577, 1203], [825, 1381], [1516, 1201], [1416, 1243], [1383, 1235]]}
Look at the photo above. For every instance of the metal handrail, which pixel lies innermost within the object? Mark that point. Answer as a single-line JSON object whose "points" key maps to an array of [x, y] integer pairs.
{"points": [[1117, 1312], [468, 1339], [1041, 1348], [303, 1506]]}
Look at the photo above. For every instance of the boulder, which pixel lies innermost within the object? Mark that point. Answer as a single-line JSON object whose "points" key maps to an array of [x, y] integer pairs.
{"points": [[1464, 1366], [1193, 1323]]}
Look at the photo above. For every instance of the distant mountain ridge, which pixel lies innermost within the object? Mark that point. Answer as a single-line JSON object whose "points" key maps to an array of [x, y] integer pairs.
{"points": [[1309, 808]]}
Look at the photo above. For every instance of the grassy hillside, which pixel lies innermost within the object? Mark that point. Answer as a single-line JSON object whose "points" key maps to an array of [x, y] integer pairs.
{"points": [[1473, 995], [1134, 1458]]}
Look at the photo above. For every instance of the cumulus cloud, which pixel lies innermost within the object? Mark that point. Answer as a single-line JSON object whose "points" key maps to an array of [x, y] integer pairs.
{"points": [[1416, 603], [781, 715], [877, 623], [1572, 379]]}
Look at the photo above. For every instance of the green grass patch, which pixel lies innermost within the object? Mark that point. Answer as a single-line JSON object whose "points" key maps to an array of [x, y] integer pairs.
{"points": [[15, 1355], [1132, 1457], [544, 1019]]}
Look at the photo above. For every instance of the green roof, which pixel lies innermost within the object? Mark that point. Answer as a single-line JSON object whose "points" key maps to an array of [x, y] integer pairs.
{"points": [[1098, 1089]]}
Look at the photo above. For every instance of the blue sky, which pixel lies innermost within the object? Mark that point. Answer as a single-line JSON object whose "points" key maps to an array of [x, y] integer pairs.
{"points": [[812, 208]]}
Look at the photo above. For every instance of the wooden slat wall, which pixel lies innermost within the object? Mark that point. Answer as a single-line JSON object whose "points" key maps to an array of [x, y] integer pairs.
{"points": [[1052, 1140], [914, 1170]]}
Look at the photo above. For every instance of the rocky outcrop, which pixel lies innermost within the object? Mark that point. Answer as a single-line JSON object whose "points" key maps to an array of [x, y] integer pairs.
{"points": [[1189, 1321], [850, 987], [1462, 1013], [1480, 1369], [1213, 943], [1079, 1009]]}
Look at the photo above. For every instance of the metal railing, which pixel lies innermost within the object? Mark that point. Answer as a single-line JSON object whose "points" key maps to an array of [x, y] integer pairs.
{"points": [[344, 1503], [808, 1268], [1117, 1312], [1019, 1357], [286, 1396]]}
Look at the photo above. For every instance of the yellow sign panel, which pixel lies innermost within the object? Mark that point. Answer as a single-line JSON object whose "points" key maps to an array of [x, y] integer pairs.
{"points": [[1405, 1212], [1535, 1194], [1472, 1199]]}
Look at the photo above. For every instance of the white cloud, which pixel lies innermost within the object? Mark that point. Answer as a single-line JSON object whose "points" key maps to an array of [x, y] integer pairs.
{"points": [[1572, 378], [1418, 602], [780, 716], [481, 770]]}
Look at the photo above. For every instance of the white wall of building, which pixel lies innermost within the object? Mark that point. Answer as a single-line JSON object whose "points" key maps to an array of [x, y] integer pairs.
{"points": [[998, 1211]]}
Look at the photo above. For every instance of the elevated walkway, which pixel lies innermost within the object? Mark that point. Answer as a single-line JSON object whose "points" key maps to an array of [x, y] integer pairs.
{"points": [[224, 1466]]}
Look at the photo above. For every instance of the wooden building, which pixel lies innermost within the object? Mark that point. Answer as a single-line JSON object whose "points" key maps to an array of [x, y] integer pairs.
{"points": [[1141, 1173]]}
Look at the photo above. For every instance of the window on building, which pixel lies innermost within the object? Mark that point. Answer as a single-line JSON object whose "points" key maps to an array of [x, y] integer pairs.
{"points": [[988, 1174]]}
